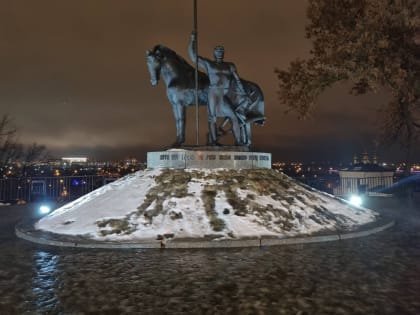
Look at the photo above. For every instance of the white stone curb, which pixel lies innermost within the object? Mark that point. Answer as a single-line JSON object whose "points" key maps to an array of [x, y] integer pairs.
{"points": [[208, 244]]}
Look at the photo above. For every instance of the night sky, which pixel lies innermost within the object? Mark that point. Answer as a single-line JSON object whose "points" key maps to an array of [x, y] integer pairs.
{"points": [[74, 77]]}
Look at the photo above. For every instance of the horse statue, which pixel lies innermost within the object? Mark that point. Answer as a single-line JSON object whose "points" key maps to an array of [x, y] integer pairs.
{"points": [[179, 78]]}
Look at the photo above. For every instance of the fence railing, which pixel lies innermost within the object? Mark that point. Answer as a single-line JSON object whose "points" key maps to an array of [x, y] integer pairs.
{"points": [[55, 188]]}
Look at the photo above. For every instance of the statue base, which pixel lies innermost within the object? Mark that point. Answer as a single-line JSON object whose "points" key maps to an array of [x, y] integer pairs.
{"points": [[205, 158], [232, 148]]}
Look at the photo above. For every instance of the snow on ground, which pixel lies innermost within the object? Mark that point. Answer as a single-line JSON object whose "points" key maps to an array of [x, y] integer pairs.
{"points": [[201, 204], [116, 199], [194, 222], [239, 225]]}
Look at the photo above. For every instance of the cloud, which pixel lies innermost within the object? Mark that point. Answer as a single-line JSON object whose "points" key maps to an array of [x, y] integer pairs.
{"points": [[74, 73]]}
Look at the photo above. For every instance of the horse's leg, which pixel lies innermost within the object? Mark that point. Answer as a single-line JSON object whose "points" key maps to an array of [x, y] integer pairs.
{"points": [[236, 130], [182, 123], [247, 130], [179, 115], [243, 134]]}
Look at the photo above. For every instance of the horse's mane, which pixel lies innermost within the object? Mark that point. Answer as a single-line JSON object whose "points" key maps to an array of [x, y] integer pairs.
{"points": [[170, 53]]}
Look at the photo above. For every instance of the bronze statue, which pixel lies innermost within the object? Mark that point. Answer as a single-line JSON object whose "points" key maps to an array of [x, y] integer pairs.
{"points": [[180, 84], [222, 75]]}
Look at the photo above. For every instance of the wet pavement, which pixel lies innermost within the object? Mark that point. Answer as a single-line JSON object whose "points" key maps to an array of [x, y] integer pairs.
{"points": [[379, 274]]}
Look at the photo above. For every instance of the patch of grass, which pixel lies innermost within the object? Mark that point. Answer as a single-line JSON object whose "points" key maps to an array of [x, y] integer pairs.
{"points": [[208, 195], [175, 215], [285, 214], [218, 224], [153, 212], [323, 208], [300, 198], [169, 183], [276, 197], [251, 196], [117, 226], [285, 224], [239, 206], [259, 182], [290, 199], [197, 174], [315, 219]]}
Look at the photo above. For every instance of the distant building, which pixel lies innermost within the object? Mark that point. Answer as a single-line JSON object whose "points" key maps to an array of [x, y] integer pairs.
{"points": [[54, 162], [364, 177], [130, 161], [75, 160]]}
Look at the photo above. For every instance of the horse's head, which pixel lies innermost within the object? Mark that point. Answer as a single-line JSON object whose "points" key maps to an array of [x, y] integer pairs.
{"points": [[154, 63]]}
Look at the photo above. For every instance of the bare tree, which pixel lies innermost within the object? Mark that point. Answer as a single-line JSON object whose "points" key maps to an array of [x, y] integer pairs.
{"points": [[12, 150]]}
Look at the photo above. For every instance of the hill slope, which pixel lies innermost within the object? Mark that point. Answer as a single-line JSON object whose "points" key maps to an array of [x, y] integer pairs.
{"points": [[205, 204]]}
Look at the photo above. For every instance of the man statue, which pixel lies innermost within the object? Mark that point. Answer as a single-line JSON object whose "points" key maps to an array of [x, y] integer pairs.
{"points": [[221, 76]]}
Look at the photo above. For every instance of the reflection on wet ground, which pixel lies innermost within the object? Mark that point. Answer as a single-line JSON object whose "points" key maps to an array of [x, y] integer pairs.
{"points": [[379, 274]]}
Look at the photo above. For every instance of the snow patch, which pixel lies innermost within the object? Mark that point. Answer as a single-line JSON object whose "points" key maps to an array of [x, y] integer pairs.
{"points": [[112, 212]]}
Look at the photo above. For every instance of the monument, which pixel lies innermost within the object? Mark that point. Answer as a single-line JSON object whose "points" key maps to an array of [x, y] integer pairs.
{"points": [[204, 195], [237, 102]]}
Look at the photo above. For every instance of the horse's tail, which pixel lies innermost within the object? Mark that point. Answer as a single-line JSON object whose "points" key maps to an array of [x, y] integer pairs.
{"points": [[255, 110]]}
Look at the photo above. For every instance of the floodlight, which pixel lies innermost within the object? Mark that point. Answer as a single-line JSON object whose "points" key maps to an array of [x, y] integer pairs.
{"points": [[44, 209], [356, 200]]}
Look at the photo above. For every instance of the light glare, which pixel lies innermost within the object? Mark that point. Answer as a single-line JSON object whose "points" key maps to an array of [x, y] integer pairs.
{"points": [[356, 200], [44, 209]]}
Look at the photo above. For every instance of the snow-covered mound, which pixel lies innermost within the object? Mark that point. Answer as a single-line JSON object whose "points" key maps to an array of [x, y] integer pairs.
{"points": [[205, 204]]}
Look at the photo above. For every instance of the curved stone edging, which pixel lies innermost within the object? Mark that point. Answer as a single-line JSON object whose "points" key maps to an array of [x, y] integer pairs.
{"points": [[207, 244]]}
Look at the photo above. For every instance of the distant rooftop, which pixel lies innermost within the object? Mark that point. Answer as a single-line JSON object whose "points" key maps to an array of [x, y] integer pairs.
{"points": [[75, 159], [367, 167]]}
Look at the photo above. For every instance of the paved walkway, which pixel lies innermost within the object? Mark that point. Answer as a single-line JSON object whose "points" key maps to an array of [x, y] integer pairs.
{"points": [[378, 274]]}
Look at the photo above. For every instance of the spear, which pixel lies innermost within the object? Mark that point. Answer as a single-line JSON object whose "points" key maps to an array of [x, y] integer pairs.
{"points": [[196, 72]]}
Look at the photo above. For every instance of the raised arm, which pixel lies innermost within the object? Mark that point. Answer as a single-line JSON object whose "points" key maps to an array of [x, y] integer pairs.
{"points": [[193, 54]]}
